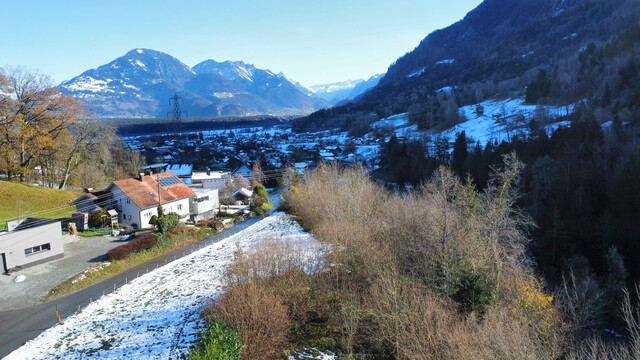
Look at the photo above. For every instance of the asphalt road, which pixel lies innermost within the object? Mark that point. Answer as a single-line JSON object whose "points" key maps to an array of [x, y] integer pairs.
{"points": [[19, 326]]}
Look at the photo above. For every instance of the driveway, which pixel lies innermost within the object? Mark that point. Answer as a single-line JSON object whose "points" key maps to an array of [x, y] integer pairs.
{"points": [[80, 253]]}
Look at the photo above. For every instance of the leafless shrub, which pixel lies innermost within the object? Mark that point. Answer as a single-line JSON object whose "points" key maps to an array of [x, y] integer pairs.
{"points": [[595, 348], [504, 334], [631, 316], [260, 316], [580, 298], [267, 290]]}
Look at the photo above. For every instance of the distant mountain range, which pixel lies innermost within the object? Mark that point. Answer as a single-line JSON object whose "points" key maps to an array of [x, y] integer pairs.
{"points": [[140, 83], [338, 92]]}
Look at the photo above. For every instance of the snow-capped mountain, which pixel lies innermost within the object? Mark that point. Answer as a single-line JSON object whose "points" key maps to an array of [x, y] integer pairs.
{"points": [[140, 83], [261, 88], [130, 85], [344, 90]]}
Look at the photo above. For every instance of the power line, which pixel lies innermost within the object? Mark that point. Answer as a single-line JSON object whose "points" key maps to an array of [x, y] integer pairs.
{"points": [[106, 198]]}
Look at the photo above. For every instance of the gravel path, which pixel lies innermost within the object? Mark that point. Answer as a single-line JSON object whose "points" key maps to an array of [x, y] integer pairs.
{"points": [[80, 253]]}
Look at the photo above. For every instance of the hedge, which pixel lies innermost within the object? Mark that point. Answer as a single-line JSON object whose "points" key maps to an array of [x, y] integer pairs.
{"points": [[139, 243]]}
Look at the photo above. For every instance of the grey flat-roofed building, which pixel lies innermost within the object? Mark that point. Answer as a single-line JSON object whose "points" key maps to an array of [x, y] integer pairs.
{"points": [[29, 242]]}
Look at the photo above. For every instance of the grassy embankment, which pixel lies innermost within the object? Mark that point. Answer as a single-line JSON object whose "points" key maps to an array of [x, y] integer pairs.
{"points": [[176, 239], [20, 200]]}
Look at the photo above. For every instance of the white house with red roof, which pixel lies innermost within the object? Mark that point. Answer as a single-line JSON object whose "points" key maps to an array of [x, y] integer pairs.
{"points": [[136, 200]]}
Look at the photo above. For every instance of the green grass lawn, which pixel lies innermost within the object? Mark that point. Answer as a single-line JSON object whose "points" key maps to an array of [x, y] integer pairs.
{"points": [[92, 232], [22, 200]]}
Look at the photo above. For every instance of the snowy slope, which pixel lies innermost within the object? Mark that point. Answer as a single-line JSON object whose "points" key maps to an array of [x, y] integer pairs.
{"points": [[155, 316], [256, 90], [503, 118]]}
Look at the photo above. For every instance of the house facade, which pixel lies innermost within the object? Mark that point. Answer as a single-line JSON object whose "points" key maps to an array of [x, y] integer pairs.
{"points": [[204, 204], [210, 179], [242, 195], [29, 242], [243, 170]]}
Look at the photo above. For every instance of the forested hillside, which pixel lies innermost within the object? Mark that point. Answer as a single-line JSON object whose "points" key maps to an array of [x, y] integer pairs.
{"points": [[561, 51]]}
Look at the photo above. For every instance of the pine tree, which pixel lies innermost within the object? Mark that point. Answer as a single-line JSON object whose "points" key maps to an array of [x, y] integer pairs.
{"points": [[460, 153]]}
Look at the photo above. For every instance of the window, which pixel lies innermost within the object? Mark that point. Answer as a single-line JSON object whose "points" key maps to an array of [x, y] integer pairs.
{"points": [[37, 249], [128, 201], [129, 216], [147, 215], [202, 199], [179, 207]]}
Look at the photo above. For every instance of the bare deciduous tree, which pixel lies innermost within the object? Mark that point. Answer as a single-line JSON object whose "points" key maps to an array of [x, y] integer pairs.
{"points": [[257, 176]]}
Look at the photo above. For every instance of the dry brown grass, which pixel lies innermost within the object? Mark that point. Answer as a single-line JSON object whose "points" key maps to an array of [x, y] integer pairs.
{"points": [[261, 317], [267, 291], [395, 259]]}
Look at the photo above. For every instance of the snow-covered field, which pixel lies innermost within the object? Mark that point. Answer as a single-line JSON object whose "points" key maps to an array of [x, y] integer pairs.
{"points": [[503, 118], [156, 316], [393, 121]]}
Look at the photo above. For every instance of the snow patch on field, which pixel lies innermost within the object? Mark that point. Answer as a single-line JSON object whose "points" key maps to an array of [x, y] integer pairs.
{"points": [[446, 62], [223, 95], [499, 119], [313, 354], [156, 316], [394, 121], [417, 72]]}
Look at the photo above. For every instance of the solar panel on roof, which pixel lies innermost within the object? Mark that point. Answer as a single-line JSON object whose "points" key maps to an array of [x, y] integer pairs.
{"points": [[168, 181]]}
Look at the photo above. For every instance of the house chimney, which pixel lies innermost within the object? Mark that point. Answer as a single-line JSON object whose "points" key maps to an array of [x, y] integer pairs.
{"points": [[141, 177]]}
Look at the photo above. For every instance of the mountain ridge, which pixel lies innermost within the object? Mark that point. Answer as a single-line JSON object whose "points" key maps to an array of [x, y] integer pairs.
{"points": [[497, 50], [338, 92], [139, 84]]}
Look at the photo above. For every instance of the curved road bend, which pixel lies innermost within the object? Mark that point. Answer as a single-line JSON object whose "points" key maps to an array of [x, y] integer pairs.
{"points": [[19, 326]]}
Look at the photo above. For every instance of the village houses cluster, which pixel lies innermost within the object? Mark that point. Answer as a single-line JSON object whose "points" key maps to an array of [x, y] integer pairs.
{"points": [[129, 202]]}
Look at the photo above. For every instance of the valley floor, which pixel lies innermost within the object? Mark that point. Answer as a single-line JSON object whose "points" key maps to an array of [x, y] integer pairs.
{"points": [[156, 315]]}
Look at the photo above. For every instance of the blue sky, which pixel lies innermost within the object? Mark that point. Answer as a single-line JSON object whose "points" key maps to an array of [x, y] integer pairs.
{"points": [[313, 42]]}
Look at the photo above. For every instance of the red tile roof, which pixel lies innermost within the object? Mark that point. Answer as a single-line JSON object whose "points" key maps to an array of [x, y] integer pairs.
{"points": [[145, 194]]}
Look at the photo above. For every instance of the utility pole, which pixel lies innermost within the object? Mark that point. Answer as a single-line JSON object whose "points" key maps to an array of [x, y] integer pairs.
{"points": [[159, 195]]}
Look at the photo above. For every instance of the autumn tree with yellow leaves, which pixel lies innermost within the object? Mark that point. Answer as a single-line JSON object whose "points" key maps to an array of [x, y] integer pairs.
{"points": [[47, 136], [35, 121]]}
